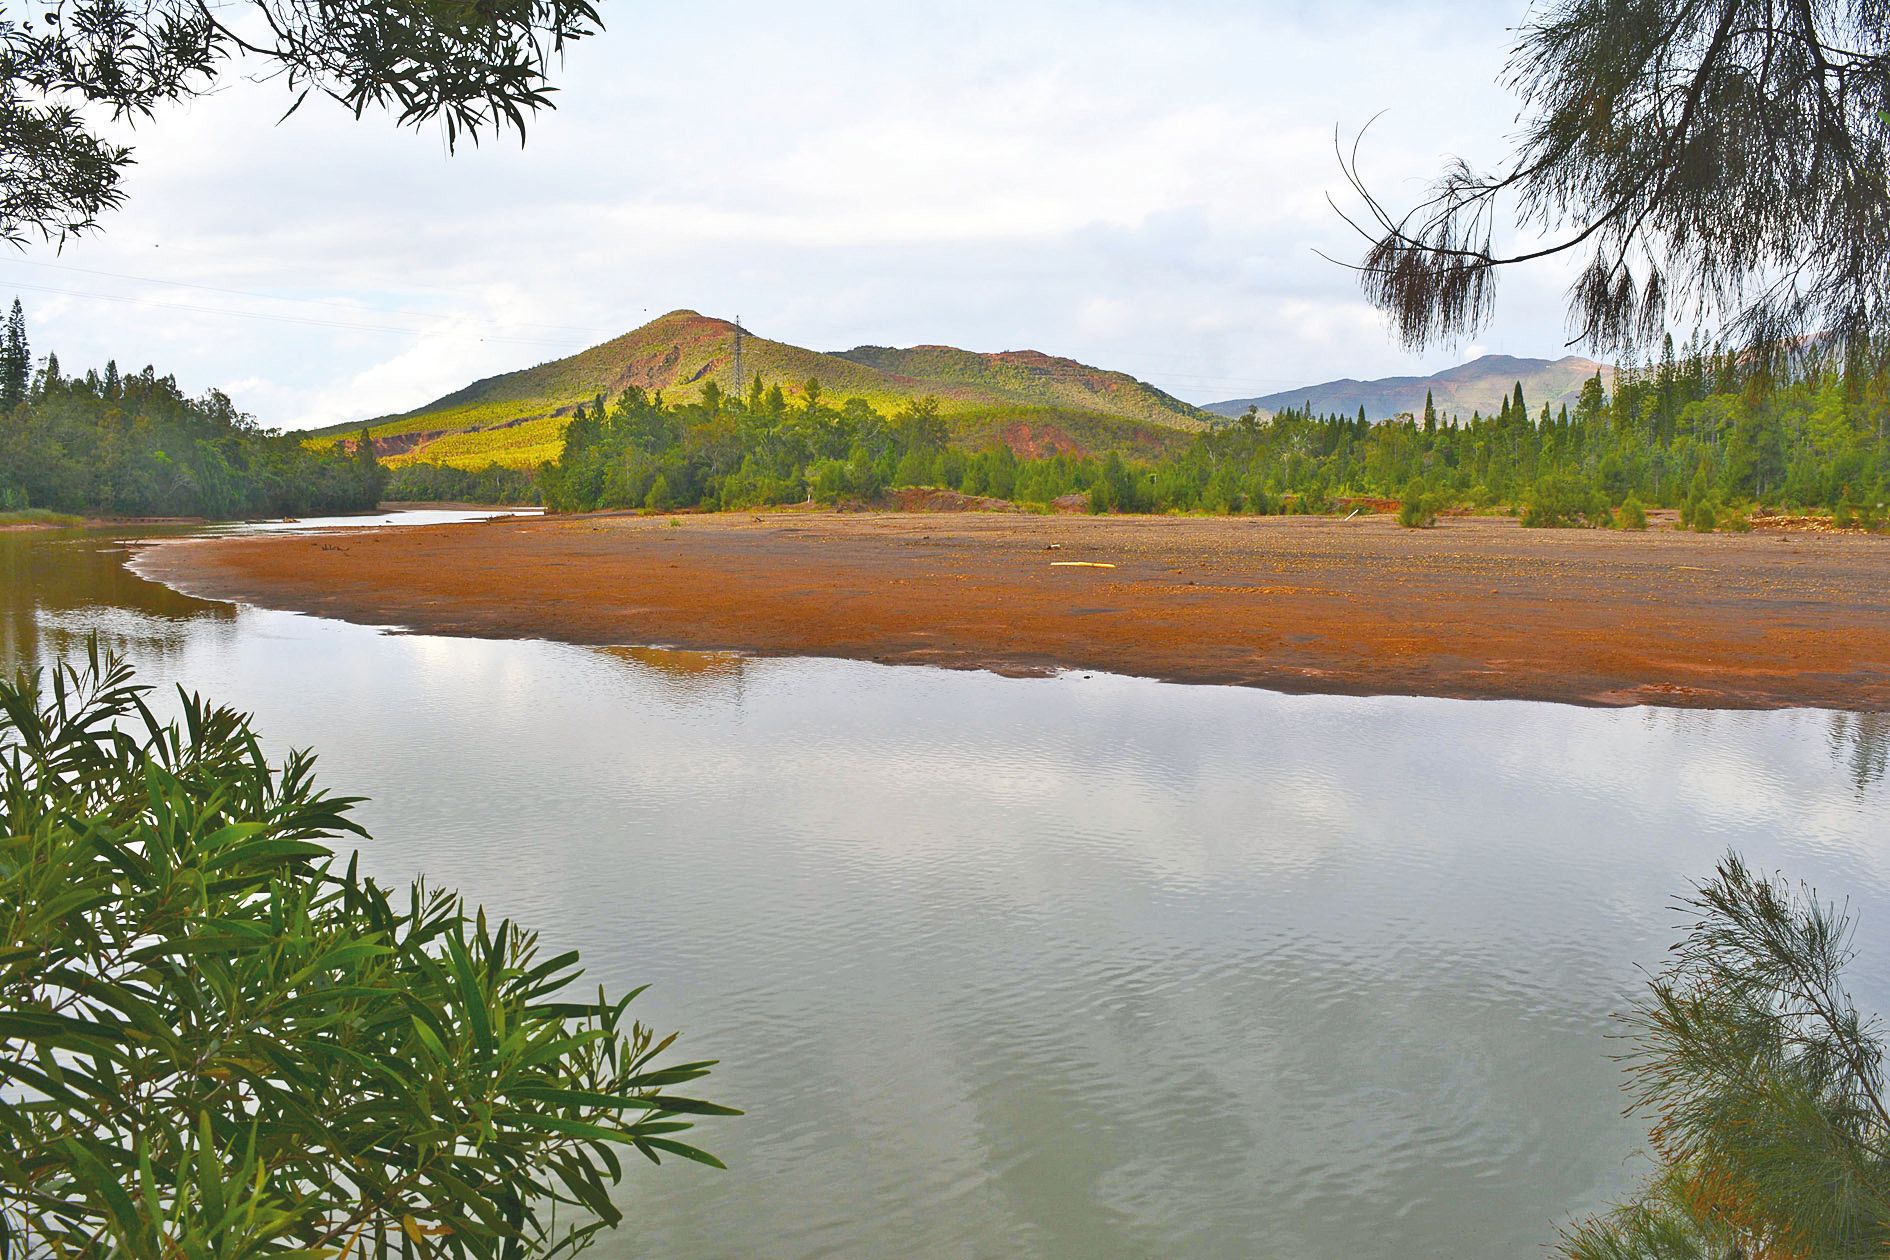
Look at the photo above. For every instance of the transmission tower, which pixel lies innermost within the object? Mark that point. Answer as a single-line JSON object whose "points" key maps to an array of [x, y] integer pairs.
{"points": [[739, 385]]}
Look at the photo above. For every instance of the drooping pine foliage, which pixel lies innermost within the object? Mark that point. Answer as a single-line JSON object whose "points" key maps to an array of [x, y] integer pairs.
{"points": [[1693, 432], [217, 1039], [1721, 160], [1765, 1086]]}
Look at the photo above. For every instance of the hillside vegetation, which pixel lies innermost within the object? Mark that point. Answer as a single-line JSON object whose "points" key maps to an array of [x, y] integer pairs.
{"points": [[518, 419], [1691, 434]]}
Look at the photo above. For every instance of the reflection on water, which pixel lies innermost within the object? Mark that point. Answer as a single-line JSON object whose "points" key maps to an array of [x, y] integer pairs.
{"points": [[1861, 741], [1064, 967], [58, 586], [684, 673]]}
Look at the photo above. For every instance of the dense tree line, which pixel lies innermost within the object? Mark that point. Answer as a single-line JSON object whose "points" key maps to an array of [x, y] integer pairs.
{"points": [[1692, 432], [136, 445], [443, 483]]}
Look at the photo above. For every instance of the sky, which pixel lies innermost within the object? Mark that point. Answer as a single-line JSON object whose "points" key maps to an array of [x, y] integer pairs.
{"points": [[1138, 186]]}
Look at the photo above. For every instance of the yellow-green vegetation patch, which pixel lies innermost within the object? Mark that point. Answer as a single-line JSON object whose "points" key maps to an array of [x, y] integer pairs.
{"points": [[514, 446], [39, 516]]}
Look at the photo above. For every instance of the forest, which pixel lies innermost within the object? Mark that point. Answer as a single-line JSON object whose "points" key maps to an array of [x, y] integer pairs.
{"points": [[448, 483], [106, 444], [1693, 432]]}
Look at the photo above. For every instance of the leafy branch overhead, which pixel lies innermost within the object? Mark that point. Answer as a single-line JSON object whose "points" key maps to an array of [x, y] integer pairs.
{"points": [[475, 66], [218, 1039], [1719, 160]]}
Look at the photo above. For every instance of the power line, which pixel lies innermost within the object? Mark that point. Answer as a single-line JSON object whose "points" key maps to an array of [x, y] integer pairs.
{"points": [[1239, 382], [277, 297], [260, 315]]}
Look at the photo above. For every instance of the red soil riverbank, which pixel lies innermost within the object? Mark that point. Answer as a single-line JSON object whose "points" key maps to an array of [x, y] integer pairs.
{"points": [[1474, 608]]}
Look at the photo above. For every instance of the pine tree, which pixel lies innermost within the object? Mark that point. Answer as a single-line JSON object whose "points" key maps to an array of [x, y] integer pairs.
{"points": [[368, 467], [1430, 413], [16, 360], [1763, 1084]]}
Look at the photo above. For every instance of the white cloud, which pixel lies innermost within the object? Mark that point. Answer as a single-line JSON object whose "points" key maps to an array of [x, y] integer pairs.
{"points": [[1142, 187]]}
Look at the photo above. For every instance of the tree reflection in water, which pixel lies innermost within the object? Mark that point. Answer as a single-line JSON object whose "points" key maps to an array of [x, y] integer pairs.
{"points": [[1861, 743]]}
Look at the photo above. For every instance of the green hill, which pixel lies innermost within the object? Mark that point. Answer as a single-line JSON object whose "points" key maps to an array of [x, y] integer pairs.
{"points": [[1025, 377], [518, 418]]}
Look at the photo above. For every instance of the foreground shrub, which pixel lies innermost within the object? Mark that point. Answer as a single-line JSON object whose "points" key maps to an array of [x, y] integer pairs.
{"points": [[1418, 510], [1563, 501], [1700, 513], [217, 1039], [1632, 515], [1765, 1086]]}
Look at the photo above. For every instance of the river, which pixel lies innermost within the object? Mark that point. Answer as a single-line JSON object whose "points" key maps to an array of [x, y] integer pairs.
{"points": [[1081, 966]]}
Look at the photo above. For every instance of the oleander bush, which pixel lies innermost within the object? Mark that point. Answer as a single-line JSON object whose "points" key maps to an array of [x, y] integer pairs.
{"points": [[218, 1037]]}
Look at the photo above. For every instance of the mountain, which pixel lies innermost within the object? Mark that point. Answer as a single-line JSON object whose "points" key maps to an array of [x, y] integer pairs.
{"points": [[518, 418], [1479, 385]]}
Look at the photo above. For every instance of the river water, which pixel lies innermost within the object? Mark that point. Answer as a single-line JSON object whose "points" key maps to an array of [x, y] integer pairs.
{"points": [[1083, 966]]}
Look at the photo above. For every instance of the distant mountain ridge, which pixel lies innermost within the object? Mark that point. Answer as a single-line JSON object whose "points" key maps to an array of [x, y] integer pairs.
{"points": [[519, 417], [1480, 385]]}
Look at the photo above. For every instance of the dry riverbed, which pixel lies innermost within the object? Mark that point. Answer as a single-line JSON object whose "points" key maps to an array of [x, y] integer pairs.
{"points": [[1477, 607]]}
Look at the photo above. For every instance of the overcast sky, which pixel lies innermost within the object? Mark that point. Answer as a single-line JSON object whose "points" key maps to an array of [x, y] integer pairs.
{"points": [[1140, 186]]}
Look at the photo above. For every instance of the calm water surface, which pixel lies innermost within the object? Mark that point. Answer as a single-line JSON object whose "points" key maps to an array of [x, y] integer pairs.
{"points": [[1073, 967]]}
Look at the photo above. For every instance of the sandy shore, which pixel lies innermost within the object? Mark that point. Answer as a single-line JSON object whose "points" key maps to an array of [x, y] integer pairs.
{"points": [[1473, 608]]}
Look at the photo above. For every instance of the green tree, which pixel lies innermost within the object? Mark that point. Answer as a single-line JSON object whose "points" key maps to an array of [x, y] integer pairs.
{"points": [[474, 68], [1765, 1088], [16, 360], [1561, 500], [1417, 509], [218, 1038], [368, 468], [1592, 404], [137, 445]]}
